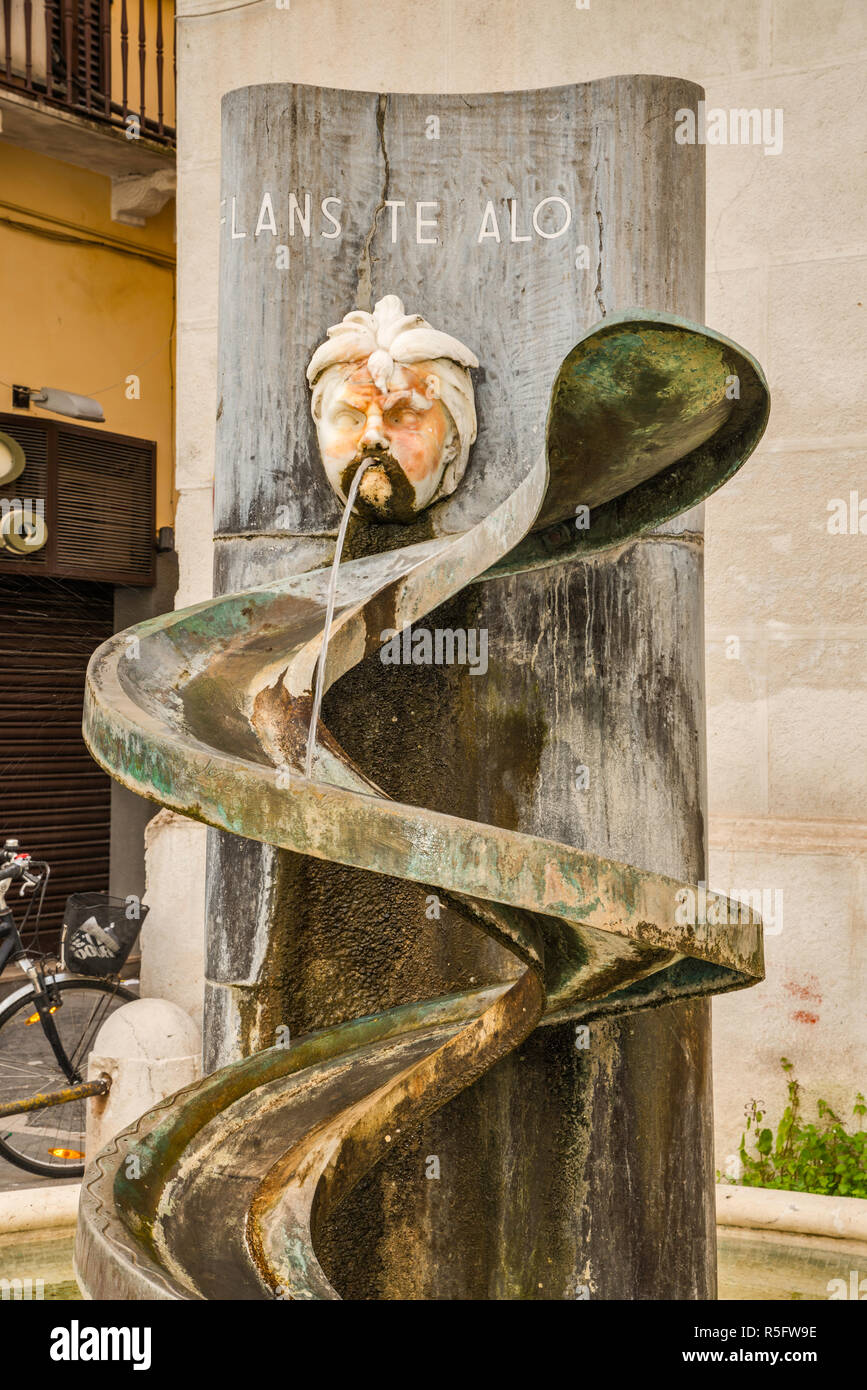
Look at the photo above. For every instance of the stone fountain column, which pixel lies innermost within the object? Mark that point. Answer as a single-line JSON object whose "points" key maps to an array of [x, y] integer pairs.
{"points": [[581, 1166]]}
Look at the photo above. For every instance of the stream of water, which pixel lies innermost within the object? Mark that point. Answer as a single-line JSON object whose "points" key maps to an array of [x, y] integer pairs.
{"points": [[329, 615]]}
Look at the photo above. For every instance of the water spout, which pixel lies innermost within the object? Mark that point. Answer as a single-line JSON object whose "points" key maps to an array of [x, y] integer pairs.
{"points": [[329, 614]]}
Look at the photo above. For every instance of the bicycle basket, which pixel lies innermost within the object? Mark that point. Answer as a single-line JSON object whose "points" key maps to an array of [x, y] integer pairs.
{"points": [[97, 933]]}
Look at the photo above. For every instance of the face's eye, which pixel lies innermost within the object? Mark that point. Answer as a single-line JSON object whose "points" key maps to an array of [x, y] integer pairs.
{"points": [[404, 417], [346, 418]]}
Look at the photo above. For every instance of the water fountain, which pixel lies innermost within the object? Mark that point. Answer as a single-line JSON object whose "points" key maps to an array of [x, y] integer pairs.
{"points": [[458, 899]]}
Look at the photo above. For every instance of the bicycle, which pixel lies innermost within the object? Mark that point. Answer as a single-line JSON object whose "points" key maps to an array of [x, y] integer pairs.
{"points": [[47, 1028]]}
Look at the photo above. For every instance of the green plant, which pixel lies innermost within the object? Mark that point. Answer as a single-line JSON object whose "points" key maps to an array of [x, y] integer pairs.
{"points": [[823, 1157]]}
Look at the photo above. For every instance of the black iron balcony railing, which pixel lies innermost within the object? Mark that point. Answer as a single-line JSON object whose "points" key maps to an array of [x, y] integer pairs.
{"points": [[110, 60]]}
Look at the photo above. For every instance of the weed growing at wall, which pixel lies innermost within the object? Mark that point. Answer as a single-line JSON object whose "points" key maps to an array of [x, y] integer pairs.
{"points": [[824, 1157]]}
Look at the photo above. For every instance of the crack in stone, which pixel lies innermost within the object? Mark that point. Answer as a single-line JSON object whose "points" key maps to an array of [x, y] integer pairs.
{"points": [[598, 291], [364, 289]]}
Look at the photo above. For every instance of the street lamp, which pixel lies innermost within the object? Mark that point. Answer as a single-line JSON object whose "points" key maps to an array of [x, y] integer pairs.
{"points": [[57, 402]]}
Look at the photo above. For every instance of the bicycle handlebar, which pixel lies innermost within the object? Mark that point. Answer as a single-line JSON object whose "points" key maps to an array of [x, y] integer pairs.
{"points": [[15, 869]]}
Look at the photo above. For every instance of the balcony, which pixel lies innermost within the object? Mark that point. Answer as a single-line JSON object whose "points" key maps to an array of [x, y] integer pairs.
{"points": [[92, 82]]}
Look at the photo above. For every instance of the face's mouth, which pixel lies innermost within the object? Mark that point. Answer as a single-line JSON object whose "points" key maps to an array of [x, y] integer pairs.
{"points": [[384, 493]]}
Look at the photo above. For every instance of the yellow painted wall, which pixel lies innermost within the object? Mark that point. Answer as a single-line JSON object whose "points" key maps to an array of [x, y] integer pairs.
{"points": [[83, 317]]}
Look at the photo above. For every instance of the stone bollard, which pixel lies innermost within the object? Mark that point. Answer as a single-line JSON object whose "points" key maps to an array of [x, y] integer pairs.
{"points": [[150, 1049], [172, 939]]}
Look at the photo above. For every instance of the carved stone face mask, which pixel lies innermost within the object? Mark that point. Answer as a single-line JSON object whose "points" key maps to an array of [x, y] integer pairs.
{"points": [[406, 429], [377, 395]]}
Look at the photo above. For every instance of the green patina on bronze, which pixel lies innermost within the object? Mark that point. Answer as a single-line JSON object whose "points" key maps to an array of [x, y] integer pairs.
{"points": [[202, 720], [180, 1119], [643, 424]]}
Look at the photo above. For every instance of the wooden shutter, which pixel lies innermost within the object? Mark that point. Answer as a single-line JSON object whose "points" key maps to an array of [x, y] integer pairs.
{"points": [[53, 797], [105, 520], [99, 491], [82, 52]]}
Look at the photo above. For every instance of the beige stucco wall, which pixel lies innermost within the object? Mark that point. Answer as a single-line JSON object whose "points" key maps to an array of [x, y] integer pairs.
{"points": [[786, 252], [84, 317]]}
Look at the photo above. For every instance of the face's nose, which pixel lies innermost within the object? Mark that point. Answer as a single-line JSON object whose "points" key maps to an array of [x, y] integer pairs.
{"points": [[374, 435]]}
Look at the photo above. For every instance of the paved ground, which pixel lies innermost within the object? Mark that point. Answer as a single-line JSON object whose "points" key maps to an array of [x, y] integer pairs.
{"points": [[12, 1177]]}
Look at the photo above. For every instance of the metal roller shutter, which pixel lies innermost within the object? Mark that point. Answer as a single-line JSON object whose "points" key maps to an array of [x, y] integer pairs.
{"points": [[53, 797]]}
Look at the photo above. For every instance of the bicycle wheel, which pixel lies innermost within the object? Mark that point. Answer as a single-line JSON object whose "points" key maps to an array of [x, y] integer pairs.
{"points": [[50, 1142]]}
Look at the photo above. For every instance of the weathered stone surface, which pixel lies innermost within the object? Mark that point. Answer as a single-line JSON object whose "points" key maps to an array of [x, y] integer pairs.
{"points": [[600, 664]]}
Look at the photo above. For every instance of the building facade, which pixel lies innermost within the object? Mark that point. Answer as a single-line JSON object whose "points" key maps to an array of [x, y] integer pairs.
{"points": [[785, 542], [87, 263]]}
